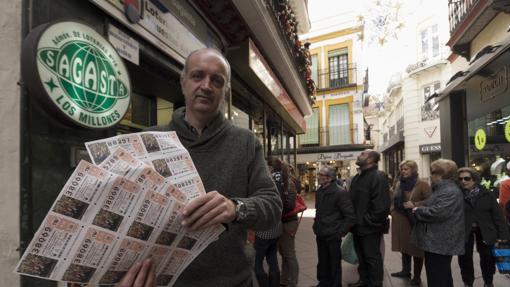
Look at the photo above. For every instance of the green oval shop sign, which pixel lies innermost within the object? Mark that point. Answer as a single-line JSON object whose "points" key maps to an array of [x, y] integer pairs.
{"points": [[76, 71]]}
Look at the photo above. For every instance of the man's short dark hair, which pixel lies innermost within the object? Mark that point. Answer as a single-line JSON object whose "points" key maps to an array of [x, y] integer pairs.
{"points": [[375, 156]]}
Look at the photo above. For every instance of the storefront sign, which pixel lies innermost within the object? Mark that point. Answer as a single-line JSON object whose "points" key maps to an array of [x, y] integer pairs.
{"points": [[75, 71], [126, 46], [430, 131], [265, 74], [337, 156], [507, 131], [480, 139], [494, 85], [430, 148], [157, 26]]}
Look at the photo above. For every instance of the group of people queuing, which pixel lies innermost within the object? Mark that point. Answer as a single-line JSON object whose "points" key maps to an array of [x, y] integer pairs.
{"points": [[281, 236], [433, 223], [430, 223]]}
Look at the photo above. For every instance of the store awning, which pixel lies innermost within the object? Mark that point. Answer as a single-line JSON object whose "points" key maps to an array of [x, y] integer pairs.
{"points": [[247, 61], [482, 59], [392, 142]]}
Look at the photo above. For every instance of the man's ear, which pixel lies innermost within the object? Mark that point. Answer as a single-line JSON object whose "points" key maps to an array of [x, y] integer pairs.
{"points": [[181, 81], [228, 92]]}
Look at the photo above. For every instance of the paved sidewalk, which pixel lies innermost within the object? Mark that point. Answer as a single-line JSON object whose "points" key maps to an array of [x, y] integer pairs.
{"points": [[307, 256]]}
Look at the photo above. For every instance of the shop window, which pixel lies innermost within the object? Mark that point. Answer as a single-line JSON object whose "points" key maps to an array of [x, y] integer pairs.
{"points": [[286, 147], [240, 118], [311, 137], [490, 152], [429, 42], [291, 151], [429, 110], [339, 125], [338, 68], [164, 111], [139, 114], [276, 140], [258, 129]]}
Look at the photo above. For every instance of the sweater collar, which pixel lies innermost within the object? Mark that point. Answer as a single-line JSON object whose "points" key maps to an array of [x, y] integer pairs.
{"points": [[362, 171], [442, 183], [189, 136]]}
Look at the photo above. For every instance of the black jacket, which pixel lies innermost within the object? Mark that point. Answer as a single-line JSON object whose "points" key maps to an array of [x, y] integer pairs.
{"points": [[483, 210], [334, 213], [370, 196]]}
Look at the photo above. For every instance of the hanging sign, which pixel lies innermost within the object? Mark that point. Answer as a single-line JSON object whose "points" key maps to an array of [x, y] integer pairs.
{"points": [[507, 131], [126, 46], [480, 139], [76, 72]]}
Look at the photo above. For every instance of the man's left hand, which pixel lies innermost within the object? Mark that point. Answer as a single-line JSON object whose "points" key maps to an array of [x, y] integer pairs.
{"points": [[141, 274], [208, 210]]}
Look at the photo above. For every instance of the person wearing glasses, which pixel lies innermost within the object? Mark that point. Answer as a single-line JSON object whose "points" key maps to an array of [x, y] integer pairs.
{"points": [[409, 191], [334, 217], [439, 228], [484, 223]]}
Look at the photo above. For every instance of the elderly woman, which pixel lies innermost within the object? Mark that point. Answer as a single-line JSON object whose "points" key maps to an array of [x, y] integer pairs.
{"points": [[439, 229], [483, 221], [409, 192]]}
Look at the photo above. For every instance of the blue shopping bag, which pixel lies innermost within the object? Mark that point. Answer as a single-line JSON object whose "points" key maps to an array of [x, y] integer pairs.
{"points": [[501, 253], [348, 252]]}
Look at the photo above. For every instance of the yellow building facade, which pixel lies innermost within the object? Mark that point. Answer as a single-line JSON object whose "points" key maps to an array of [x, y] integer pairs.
{"points": [[335, 130]]}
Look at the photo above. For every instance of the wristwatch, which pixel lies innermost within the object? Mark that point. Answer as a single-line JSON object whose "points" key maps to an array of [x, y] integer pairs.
{"points": [[241, 211]]}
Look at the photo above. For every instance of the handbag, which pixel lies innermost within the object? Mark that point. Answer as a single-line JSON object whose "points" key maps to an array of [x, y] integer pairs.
{"points": [[300, 206], [501, 253], [348, 252]]}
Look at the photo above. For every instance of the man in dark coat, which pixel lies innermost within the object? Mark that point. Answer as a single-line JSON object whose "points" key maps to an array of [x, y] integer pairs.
{"points": [[333, 218], [369, 191]]}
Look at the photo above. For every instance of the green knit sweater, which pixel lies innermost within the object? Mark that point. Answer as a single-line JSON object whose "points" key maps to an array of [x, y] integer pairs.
{"points": [[230, 160]]}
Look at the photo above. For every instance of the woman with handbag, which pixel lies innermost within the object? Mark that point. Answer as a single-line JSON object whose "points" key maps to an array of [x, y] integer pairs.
{"points": [[483, 222], [409, 191], [286, 244]]}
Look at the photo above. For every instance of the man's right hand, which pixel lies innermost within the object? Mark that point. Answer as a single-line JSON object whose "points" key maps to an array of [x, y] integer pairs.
{"points": [[141, 274], [208, 210]]}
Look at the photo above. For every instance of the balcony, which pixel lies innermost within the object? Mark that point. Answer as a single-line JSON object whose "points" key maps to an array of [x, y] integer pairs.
{"points": [[272, 39], [428, 63], [336, 79], [458, 11], [468, 18], [257, 20], [428, 113], [290, 27], [400, 125], [330, 136]]}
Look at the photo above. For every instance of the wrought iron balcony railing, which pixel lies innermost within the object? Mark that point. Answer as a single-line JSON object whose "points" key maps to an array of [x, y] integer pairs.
{"points": [[336, 78], [457, 12], [326, 136]]}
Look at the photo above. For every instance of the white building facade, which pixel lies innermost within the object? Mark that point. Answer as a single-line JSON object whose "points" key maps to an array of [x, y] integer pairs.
{"points": [[410, 127]]}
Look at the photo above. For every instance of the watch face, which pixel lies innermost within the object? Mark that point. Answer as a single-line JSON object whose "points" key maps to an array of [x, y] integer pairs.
{"points": [[240, 210]]}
